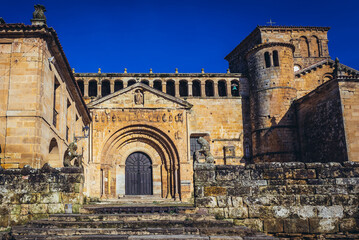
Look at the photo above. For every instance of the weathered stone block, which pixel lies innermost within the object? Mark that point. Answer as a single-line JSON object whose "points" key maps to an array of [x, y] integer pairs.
{"points": [[226, 175], [204, 176], [215, 191], [217, 212], [303, 212], [303, 173], [331, 190], [345, 200], [315, 200], [272, 190], [259, 211], [273, 225], [349, 225], [239, 212], [224, 201], [336, 211], [293, 165], [281, 212], [296, 226], [38, 208], [248, 183], [255, 224], [237, 202], [54, 197], [210, 202], [329, 225], [55, 208], [239, 191], [29, 198]]}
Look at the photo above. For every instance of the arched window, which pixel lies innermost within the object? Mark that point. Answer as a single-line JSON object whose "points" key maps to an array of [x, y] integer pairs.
{"points": [[275, 58], [93, 88], [304, 47], [170, 87], [235, 88], [315, 46], [209, 88], [196, 88], [80, 83], [222, 88], [157, 84], [118, 85], [54, 156], [145, 82], [183, 88], [131, 82], [267, 59], [105, 88]]}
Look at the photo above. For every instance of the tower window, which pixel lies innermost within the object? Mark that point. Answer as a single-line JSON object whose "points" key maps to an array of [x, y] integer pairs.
{"points": [[275, 58], [157, 85], [105, 88], [267, 59], [196, 88], [209, 89], [183, 88], [222, 88], [131, 82], [118, 85], [93, 88], [170, 87]]}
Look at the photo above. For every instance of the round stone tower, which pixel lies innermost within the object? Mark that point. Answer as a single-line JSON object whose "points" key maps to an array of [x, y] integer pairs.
{"points": [[272, 92]]}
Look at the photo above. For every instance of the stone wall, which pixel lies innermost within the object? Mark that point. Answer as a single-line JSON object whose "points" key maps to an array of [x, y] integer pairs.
{"points": [[320, 124], [27, 193], [291, 200]]}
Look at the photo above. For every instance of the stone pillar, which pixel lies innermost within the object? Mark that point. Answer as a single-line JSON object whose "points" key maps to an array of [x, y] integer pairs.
{"points": [[86, 89], [150, 83], [125, 83], [229, 89], [99, 89], [177, 195], [203, 89], [215, 86], [177, 89], [190, 89], [112, 85], [164, 86]]}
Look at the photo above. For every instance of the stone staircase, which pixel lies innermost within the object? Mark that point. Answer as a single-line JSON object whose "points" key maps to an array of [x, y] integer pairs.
{"points": [[134, 222]]}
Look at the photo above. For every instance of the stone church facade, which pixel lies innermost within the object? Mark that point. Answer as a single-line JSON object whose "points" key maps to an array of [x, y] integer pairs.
{"points": [[282, 100]]}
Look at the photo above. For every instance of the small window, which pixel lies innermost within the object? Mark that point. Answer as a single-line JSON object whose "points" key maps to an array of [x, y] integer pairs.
{"points": [[209, 89], [105, 88], [267, 59], [275, 58], [183, 88], [222, 88], [131, 82], [235, 88], [196, 88], [93, 88], [118, 85], [195, 146], [170, 87], [157, 84]]}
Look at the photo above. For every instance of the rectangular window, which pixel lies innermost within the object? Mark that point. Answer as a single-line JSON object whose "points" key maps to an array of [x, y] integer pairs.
{"points": [[56, 103]]}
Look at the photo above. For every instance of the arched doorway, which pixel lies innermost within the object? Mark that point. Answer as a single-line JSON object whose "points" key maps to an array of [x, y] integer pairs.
{"points": [[138, 174]]}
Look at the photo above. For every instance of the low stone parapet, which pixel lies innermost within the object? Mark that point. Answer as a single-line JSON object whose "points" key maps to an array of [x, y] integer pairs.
{"points": [[27, 193], [285, 199]]}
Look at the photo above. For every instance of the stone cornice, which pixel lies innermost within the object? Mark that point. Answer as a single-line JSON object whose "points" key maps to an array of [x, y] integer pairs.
{"points": [[161, 75], [270, 44]]}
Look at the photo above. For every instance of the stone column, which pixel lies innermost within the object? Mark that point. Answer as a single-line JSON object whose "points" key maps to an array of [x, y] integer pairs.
{"points": [[203, 89], [177, 89], [215, 85], [150, 83], [86, 89], [164, 86], [176, 175], [112, 85], [99, 89], [125, 83], [229, 89], [190, 89]]}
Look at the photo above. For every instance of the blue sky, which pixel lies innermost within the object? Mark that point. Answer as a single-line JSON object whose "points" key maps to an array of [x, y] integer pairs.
{"points": [[184, 34]]}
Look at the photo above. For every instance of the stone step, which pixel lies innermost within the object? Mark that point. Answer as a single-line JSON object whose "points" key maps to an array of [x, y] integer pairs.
{"points": [[214, 231], [128, 217], [126, 237], [137, 209], [130, 224]]}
